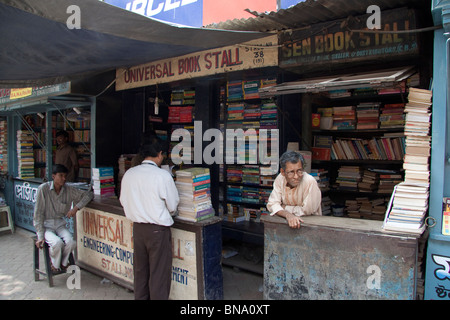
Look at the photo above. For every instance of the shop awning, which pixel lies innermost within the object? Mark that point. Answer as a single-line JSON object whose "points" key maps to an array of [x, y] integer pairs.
{"points": [[38, 48], [380, 79]]}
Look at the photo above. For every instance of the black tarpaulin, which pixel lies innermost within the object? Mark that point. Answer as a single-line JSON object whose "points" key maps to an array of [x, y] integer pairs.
{"points": [[37, 47]]}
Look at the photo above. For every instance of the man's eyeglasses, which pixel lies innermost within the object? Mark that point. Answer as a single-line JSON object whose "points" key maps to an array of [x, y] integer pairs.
{"points": [[291, 174]]}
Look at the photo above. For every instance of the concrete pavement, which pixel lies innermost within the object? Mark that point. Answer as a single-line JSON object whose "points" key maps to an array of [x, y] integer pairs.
{"points": [[17, 278]]}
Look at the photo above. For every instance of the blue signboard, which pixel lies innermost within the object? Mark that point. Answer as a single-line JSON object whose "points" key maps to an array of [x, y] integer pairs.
{"points": [[185, 12]]}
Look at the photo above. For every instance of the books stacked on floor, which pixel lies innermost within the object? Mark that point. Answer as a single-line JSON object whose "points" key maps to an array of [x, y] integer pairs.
{"points": [[368, 115], [344, 118], [193, 187], [321, 176], [369, 181], [348, 178], [407, 208], [251, 89], [103, 182], [25, 154], [418, 139], [392, 116], [3, 146], [234, 90]]}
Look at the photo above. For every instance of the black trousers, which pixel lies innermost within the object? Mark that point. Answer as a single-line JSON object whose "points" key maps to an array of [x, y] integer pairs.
{"points": [[152, 261]]}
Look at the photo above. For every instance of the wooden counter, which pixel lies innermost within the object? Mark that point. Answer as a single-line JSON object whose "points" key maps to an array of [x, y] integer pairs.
{"points": [[105, 247], [337, 258]]}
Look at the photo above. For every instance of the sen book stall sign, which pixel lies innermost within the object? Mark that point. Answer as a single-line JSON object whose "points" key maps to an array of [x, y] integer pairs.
{"points": [[254, 54], [335, 42], [105, 246]]}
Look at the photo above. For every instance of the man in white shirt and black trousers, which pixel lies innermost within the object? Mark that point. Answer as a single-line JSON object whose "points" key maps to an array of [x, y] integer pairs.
{"points": [[150, 198]]}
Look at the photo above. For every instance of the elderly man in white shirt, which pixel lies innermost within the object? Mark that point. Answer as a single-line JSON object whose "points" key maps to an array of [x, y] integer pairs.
{"points": [[295, 193], [150, 198]]}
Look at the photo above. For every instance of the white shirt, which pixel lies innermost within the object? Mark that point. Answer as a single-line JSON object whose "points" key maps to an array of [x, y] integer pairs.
{"points": [[148, 194], [304, 199]]}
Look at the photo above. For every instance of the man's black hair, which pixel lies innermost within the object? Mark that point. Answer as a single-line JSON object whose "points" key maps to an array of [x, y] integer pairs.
{"points": [[62, 133], [59, 168], [152, 146]]}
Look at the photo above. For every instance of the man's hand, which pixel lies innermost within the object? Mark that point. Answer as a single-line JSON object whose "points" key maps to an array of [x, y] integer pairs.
{"points": [[292, 220], [40, 244], [72, 212]]}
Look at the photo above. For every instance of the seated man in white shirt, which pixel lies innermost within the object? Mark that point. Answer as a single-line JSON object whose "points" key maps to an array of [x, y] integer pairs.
{"points": [[295, 193]]}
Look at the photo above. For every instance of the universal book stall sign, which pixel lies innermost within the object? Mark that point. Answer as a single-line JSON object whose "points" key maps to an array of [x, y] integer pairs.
{"points": [[334, 42], [254, 54]]}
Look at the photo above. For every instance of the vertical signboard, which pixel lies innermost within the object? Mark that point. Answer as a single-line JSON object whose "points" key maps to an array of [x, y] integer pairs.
{"points": [[24, 200]]}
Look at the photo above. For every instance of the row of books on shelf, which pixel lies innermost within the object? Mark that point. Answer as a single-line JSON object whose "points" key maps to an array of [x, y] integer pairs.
{"points": [[182, 97], [247, 89], [247, 194], [183, 114], [244, 111], [81, 135], [366, 115], [387, 147], [368, 91], [409, 202], [249, 174], [370, 180], [194, 190]]}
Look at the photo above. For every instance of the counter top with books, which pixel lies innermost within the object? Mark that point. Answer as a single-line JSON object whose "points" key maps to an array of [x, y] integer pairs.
{"points": [[112, 205], [353, 225]]}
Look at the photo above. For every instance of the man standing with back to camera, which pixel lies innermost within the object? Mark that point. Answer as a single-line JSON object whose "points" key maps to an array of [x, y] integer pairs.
{"points": [[149, 198]]}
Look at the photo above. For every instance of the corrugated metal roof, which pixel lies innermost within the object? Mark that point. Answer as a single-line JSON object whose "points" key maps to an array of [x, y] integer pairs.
{"points": [[309, 12]]}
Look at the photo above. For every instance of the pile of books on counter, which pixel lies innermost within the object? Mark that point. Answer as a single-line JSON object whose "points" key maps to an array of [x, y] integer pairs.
{"points": [[103, 182], [193, 187]]}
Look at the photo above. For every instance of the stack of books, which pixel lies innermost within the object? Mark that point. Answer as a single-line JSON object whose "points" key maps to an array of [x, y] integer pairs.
{"points": [[348, 178], [418, 139], [251, 89], [234, 193], [392, 116], [3, 146], [180, 114], [250, 194], [369, 181], [368, 115], [326, 205], [234, 174], [193, 187], [103, 182], [250, 174], [264, 195], [344, 118], [235, 213], [252, 112], [407, 208], [321, 176], [25, 154], [388, 180], [182, 97], [234, 90], [235, 111]]}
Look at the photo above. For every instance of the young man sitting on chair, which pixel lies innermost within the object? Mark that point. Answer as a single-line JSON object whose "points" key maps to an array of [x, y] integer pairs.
{"points": [[53, 202]]}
